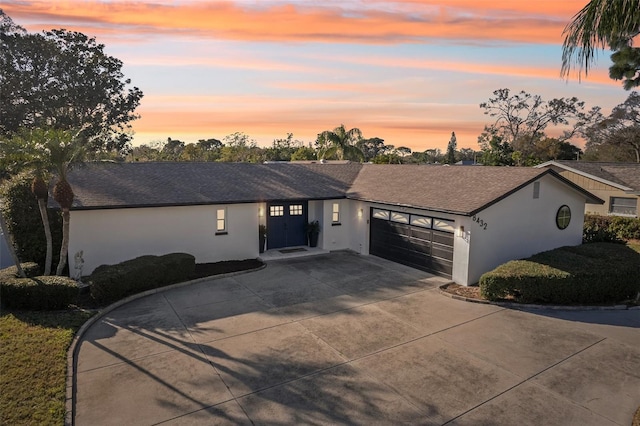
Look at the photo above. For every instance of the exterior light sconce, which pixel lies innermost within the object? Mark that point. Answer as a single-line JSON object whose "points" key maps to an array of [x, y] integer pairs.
{"points": [[461, 232], [260, 212], [360, 213]]}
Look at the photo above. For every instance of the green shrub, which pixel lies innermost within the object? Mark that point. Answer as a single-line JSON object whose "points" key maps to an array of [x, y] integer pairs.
{"points": [[25, 224], [586, 274], [610, 228], [113, 282], [37, 293]]}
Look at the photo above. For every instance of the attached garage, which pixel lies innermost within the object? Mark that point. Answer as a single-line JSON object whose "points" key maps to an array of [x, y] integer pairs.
{"points": [[422, 242]]}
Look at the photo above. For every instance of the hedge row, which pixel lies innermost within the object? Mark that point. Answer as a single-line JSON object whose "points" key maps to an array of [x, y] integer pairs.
{"points": [[610, 228], [113, 282], [587, 274], [35, 292]]}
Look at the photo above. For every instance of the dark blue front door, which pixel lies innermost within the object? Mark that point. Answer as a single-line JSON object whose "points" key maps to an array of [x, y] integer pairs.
{"points": [[286, 224]]}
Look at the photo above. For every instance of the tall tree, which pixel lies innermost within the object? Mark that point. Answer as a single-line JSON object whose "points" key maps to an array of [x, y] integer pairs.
{"points": [[64, 80], [341, 143], [371, 147], [618, 135], [521, 119], [598, 25], [452, 146], [65, 148]]}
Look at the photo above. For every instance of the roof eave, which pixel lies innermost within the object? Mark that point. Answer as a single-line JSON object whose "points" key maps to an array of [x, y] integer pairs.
{"points": [[585, 174]]}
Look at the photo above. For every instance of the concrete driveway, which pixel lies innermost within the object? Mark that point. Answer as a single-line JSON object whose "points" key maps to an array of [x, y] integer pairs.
{"points": [[348, 339]]}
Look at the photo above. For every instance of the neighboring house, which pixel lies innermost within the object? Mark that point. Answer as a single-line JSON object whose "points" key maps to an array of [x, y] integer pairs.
{"points": [[457, 222], [618, 184]]}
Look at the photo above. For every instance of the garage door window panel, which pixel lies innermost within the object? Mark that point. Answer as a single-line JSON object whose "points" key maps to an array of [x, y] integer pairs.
{"points": [[399, 217]]}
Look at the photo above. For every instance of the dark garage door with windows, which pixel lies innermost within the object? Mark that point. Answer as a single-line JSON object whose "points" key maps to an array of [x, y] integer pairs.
{"points": [[422, 242]]}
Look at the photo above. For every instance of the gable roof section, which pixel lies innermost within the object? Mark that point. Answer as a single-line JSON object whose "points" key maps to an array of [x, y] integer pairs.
{"points": [[624, 176], [458, 189], [122, 185], [462, 190]]}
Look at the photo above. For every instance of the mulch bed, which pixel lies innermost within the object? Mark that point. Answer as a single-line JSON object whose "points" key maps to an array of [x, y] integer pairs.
{"points": [[472, 292], [208, 269]]}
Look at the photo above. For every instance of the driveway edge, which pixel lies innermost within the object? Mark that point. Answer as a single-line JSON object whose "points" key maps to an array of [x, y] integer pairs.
{"points": [[534, 306], [69, 416]]}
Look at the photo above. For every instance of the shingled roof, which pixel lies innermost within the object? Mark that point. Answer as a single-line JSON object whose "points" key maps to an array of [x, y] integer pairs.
{"points": [[456, 189], [120, 185], [624, 175]]}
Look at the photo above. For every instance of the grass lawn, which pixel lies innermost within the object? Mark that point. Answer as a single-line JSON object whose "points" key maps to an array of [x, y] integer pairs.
{"points": [[33, 361], [33, 355]]}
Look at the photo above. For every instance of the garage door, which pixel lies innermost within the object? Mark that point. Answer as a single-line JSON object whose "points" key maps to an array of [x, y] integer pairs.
{"points": [[422, 242]]}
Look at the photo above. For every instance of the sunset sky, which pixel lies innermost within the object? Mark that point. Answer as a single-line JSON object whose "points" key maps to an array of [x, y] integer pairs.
{"points": [[407, 71]]}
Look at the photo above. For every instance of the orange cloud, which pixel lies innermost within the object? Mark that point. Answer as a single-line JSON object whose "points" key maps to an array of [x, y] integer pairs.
{"points": [[392, 22]]}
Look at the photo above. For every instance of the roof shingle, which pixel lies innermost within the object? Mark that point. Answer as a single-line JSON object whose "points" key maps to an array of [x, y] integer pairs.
{"points": [[455, 189]]}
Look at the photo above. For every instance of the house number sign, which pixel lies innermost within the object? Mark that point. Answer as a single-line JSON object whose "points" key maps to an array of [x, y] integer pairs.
{"points": [[480, 222]]}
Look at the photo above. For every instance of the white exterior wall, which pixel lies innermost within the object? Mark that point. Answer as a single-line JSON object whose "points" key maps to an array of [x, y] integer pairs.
{"points": [[336, 237], [520, 226], [116, 235]]}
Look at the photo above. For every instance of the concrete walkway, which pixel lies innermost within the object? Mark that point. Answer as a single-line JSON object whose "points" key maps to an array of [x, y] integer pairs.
{"points": [[348, 339]]}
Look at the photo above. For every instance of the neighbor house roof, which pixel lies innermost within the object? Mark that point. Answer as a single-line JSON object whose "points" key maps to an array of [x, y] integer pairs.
{"points": [[456, 189], [624, 176]]}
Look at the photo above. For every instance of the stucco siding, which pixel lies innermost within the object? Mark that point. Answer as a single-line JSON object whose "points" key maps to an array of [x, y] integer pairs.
{"points": [[520, 226], [336, 236], [112, 236]]}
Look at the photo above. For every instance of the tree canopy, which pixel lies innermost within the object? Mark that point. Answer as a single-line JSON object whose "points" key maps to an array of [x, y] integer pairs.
{"points": [[64, 80], [521, 120], [598, 25], [616, 137]]}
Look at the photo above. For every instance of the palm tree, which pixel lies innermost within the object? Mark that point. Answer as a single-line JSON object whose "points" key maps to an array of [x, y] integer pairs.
{"points": [[341, 143], [600, 24], [41, 190], [64, 149]]}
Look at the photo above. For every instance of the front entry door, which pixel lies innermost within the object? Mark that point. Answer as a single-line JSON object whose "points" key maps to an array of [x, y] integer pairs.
{"points": [[286, 224]]}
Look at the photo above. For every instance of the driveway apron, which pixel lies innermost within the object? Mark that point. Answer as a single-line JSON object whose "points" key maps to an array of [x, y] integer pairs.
{"points": [[347, 339]]}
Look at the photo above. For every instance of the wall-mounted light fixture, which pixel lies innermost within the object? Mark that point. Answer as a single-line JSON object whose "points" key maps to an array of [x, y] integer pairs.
{"points": [[260, 211], [360, 213]]}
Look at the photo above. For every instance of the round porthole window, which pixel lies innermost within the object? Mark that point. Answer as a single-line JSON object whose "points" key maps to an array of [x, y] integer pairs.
{"points": [[563, 217]]}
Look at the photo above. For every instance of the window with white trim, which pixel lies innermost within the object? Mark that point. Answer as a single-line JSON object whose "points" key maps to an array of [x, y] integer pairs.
{"points": [[335, 213], [623, 206], [221, 220]]}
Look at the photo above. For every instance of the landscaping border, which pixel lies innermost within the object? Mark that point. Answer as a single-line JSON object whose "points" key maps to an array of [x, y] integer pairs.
{"points": [[69, 416], [535, 306]]}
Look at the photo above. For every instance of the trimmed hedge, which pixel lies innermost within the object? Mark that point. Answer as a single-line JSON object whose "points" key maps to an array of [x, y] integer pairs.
{"points": [[37, 293], [610, 228], [113, 282], [587, 274]]}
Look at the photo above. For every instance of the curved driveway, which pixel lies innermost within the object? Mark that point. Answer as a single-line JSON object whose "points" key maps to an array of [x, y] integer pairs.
{"points": [[348, 339]]}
